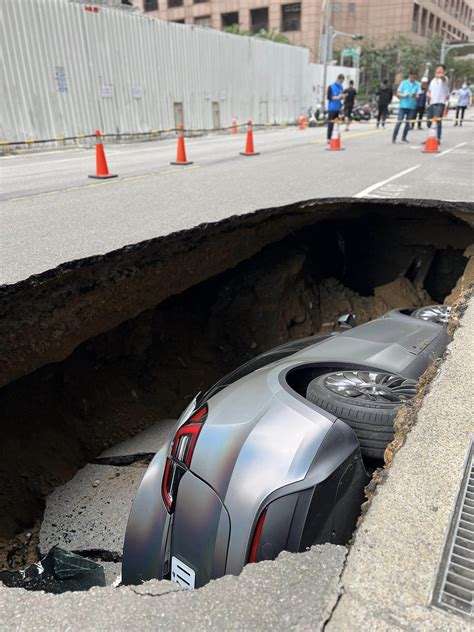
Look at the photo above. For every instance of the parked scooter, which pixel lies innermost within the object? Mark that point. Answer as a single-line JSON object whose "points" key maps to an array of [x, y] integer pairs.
{"points": [[362, 112]]}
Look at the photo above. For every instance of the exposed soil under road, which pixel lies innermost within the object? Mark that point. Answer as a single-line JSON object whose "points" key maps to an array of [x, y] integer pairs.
{"points": [[270, 285]]}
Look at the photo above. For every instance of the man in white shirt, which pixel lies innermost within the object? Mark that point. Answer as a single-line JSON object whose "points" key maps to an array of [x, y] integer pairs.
{"points": [[438, 94]]}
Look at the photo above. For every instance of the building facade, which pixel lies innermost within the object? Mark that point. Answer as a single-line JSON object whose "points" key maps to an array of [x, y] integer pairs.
{"points": [[377, 20]]}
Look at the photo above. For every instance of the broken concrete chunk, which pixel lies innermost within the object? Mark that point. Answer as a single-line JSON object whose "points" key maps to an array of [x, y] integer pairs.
{"points": [[81, 517], [147, 442], [60, 571]]}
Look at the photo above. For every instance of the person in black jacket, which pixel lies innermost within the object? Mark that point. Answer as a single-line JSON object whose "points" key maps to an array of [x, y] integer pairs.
{"points": [[384, 96]]}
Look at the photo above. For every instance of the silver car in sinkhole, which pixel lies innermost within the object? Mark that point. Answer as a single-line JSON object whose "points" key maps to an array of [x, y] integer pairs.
{"points": [[277, 454]]}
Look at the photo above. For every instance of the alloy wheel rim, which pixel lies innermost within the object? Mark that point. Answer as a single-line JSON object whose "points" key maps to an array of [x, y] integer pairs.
{"points": [[435, 313], [371, 386]]}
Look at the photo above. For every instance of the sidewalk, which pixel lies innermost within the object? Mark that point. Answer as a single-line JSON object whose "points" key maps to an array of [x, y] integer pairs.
{"points": [[392, 567]]}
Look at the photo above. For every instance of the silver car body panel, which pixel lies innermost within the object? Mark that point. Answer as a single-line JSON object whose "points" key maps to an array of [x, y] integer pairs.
{"points": [[260, 442]]}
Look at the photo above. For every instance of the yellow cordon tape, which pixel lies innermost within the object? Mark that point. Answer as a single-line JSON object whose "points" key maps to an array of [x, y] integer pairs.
{"points": [[154, 132]]}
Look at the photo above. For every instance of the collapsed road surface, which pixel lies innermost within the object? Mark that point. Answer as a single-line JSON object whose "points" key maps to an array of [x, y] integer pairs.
{"points": [[385, 581], [99, 349]]}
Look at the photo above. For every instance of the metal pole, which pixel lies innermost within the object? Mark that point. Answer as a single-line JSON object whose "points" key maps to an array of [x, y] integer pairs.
{"points": [[327, 48], [443, 51]]}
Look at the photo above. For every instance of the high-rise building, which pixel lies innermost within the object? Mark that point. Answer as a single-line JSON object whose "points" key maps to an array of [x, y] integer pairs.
{"points": [[377, 20]]}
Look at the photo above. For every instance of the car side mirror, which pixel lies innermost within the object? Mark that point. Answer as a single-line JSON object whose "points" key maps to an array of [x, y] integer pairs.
{"points": [[347, 321]]}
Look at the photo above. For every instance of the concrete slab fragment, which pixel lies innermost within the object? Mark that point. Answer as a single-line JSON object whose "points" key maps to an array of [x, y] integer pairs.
{"points": [[112, 570], [294, 592], [146, 442], [91, 511]]}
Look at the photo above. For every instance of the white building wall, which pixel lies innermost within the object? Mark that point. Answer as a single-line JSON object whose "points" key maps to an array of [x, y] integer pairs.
{"points": [[68, 71]]}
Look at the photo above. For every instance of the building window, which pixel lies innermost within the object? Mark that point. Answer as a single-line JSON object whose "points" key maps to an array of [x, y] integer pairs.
{"points": [[199, 1], [291, 17], [424, 15], [430, 24], [229, 19], [438, 25], [177, 21], [336, 7], [151, 5], [416, 17], [259, 19], [203, 20], [174, 3], [351, 7]]}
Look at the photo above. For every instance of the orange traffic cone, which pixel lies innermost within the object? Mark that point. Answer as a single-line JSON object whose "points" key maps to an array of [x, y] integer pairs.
{"points": [[234, 129], [335, 143], [302, 122], [181, 150], [432, 143], [249, 150], [101, 168]]}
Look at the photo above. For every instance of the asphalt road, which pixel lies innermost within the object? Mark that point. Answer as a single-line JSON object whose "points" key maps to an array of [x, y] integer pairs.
{"points": [[51, 212]]}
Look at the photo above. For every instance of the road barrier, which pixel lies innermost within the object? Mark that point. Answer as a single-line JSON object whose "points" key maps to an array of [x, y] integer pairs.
{"points": [[190, 132]]}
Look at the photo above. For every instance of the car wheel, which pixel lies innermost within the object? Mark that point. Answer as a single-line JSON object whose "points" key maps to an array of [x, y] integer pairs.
{"points": [[434, 313], [367, 401]]}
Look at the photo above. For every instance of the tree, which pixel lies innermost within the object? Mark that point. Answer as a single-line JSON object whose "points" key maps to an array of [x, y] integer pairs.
{"points": [[273, 36], [400, 55]]}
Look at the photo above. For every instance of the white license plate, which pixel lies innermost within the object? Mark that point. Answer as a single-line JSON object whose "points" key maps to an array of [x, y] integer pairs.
{"points": [[182, 574]]}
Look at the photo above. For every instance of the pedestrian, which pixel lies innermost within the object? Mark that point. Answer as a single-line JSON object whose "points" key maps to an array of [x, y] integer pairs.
{"points": [[420, 103], [349, 99], [464, 95], [383, 96], [407, 92], [335, 98], [438, 95]]}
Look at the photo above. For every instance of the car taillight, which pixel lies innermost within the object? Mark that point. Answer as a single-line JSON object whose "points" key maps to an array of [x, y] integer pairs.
{"points": [[256, 537], [181, 454]]}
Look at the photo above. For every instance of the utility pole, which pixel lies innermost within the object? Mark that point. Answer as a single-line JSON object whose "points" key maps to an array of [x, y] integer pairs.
{"points": [[327, 45]]}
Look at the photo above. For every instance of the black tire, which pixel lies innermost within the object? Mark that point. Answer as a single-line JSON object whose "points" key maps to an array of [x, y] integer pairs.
{"points": [[372, 421]]}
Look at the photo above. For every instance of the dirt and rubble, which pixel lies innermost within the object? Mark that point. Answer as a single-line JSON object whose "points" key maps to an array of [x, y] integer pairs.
{"points": [[113, 384]]}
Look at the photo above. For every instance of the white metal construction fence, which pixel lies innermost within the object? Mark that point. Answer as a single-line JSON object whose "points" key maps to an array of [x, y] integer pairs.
{"points": [[69, 69]]}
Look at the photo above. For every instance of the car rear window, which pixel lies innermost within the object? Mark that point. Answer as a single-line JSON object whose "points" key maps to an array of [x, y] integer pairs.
{"points": [[278, 353]]}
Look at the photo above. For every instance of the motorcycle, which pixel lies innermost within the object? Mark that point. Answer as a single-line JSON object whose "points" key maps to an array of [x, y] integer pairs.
{"points": [[362, 112]]}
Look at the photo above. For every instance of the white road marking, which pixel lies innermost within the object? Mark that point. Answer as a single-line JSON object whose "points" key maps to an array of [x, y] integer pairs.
{"points": [[448, 151], [382, 183]]}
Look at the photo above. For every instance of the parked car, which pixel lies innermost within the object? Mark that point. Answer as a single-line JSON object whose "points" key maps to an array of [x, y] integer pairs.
{"points": [[276, 455], [394, 107], [453, 100]]}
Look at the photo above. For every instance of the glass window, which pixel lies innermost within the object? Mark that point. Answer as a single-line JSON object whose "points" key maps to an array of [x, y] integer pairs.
{"points": [[203, 20], [259, 19], [151, 5], [175, 3], [291, 17], [229, 19]]}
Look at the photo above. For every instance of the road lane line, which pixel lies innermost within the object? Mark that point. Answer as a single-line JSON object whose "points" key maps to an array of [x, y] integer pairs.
{"points": [[356, 135], [448, 151], [377, 185], [93, 185]]}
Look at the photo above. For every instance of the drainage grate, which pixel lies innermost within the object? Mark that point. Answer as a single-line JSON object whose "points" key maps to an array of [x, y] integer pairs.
{"points": [[454, 590]]}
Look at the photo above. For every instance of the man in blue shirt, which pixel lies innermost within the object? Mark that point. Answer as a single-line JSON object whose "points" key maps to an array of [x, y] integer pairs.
{"points": [[335, 99], [407, 93], [421, 103]]}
